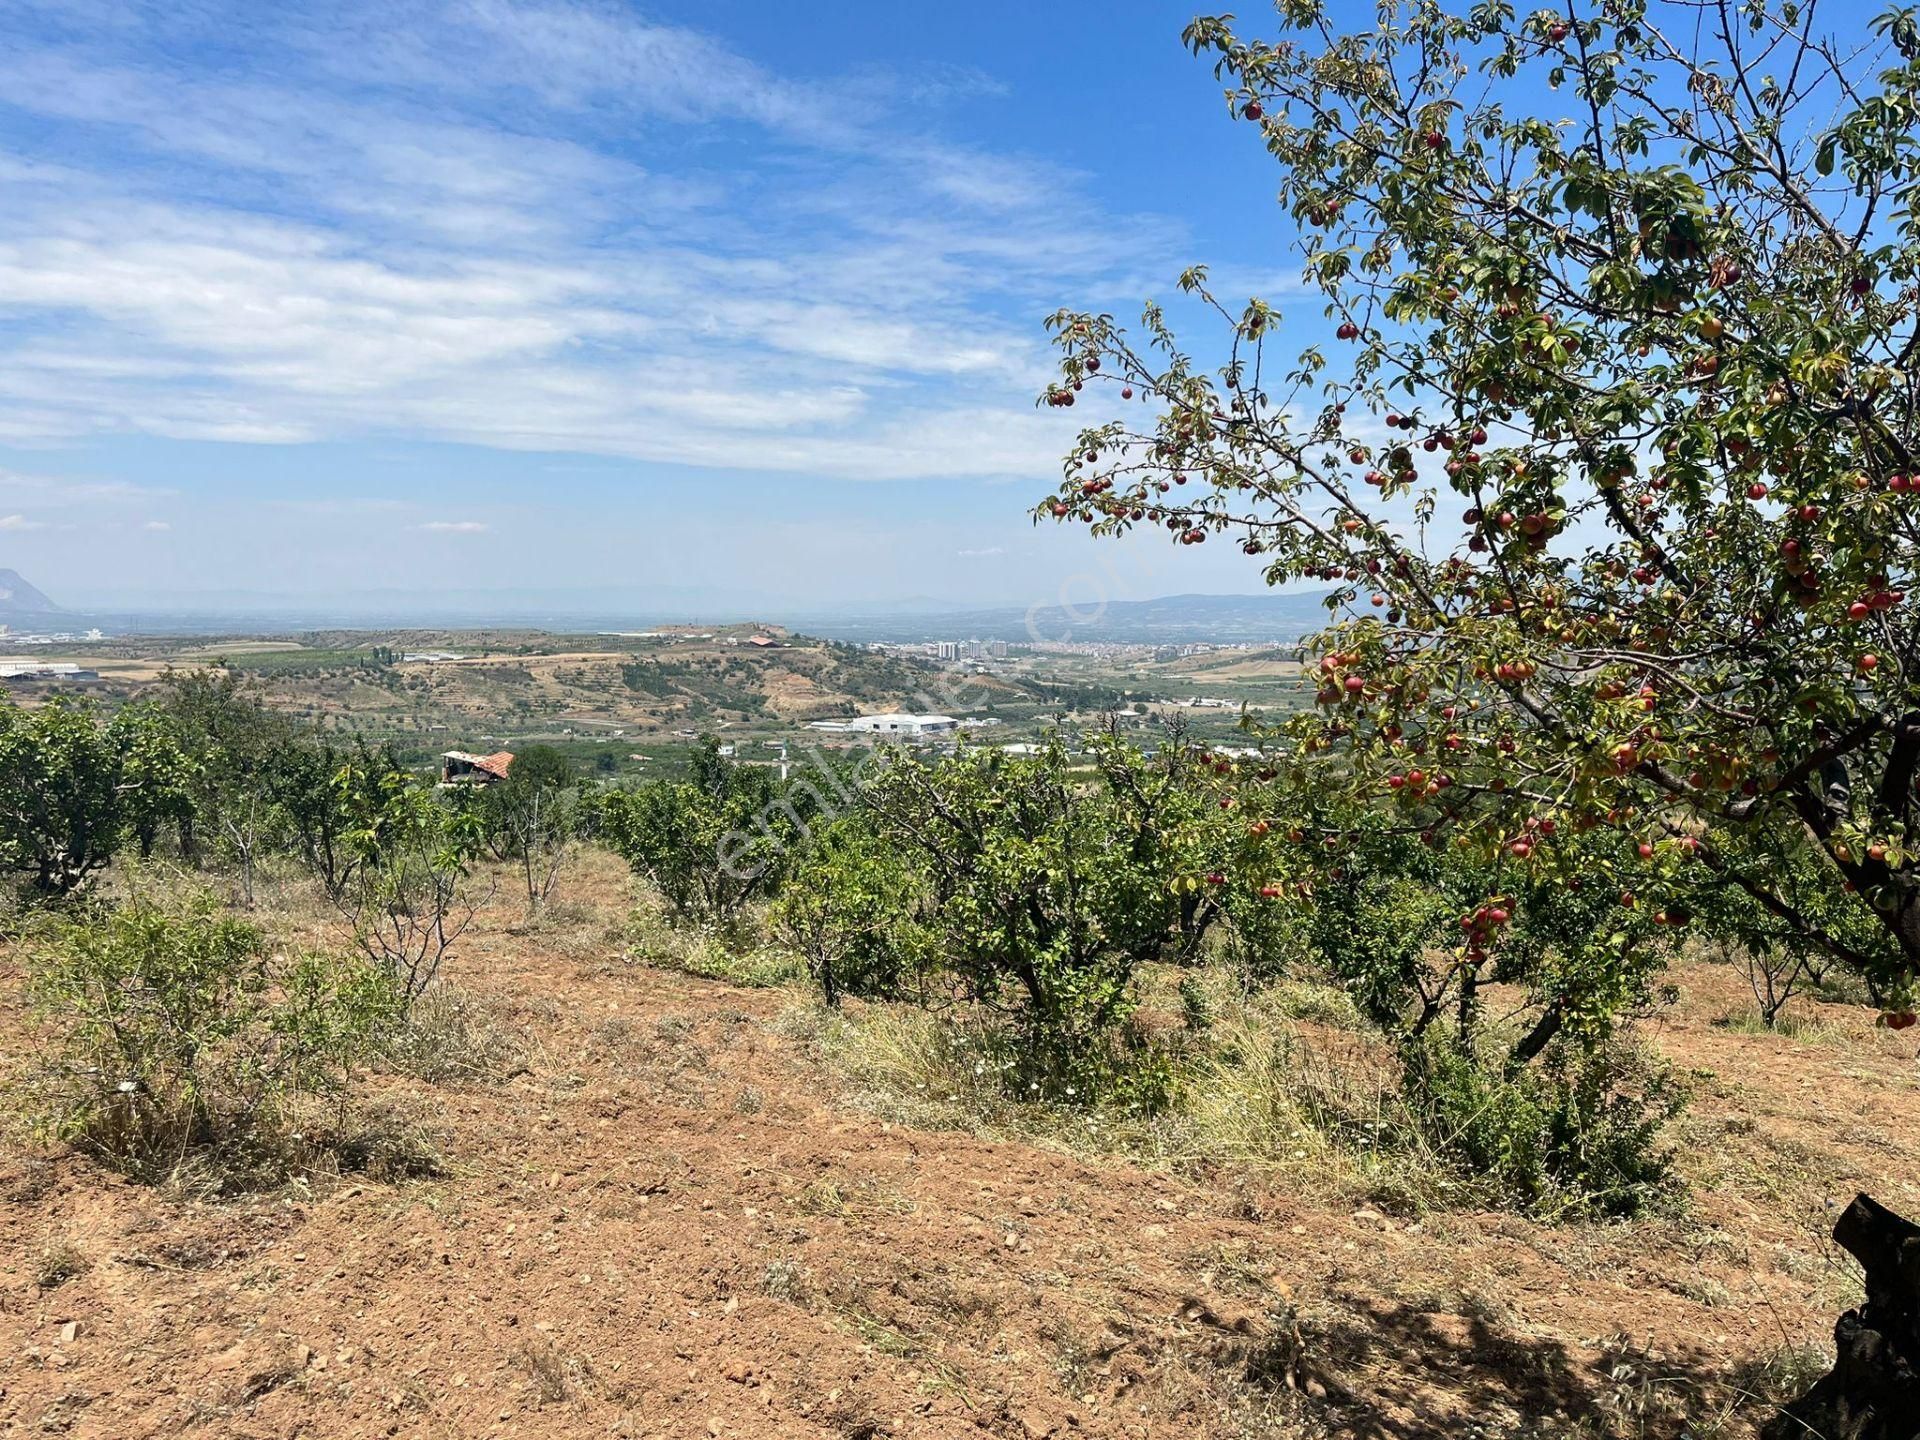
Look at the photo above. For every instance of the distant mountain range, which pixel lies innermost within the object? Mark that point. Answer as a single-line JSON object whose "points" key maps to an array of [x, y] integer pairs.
{"points": [[1171, 619], [19, 600]]}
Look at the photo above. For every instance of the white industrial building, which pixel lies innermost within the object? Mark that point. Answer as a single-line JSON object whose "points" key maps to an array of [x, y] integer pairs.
{"points": [[44, 670], [892, 724]]}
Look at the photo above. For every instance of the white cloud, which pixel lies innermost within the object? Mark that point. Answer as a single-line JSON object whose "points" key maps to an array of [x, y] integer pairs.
{"points": [[62, 491], [455, 527], [158, 526], [528, 226], [981, 554], [20, 522]]}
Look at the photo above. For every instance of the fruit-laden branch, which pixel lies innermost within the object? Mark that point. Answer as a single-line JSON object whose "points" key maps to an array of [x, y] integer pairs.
{"points": [[1659, 366]]}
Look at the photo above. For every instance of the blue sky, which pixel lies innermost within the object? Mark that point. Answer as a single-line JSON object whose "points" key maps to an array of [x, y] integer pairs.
{"points": [[738, 295]]}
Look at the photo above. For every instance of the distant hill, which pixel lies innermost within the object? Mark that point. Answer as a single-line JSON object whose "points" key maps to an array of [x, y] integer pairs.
{"points": [[1170, 619], [17, 597], [1220, 619], [491, 687]]}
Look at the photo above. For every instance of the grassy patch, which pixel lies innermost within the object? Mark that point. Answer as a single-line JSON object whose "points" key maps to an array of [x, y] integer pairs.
{"points": [[1796, 1023], [1306, 1102], [734, 955], [450, 1037]]}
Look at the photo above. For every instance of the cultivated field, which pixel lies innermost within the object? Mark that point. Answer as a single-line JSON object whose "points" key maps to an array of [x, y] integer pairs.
{"points": [[635, 1201], [632, 703]]}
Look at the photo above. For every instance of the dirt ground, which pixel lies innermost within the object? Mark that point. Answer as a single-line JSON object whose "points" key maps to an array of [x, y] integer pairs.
{"points": [[667, 1222]]}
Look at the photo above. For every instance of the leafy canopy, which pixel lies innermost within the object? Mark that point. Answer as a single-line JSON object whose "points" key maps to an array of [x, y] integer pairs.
{"points": [[1613, 458]]}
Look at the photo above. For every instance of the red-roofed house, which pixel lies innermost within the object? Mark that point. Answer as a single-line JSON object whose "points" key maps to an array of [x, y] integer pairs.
{"points": [[457, 767]]}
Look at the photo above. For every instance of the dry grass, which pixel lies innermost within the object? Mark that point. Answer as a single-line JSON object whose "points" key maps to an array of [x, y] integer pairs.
{"points": [[1285, 1088], [1801, 1021], [575, 927], [308, 1148], [663, 1119], [1304, 1107], [60, 1263], [451, 1037]]}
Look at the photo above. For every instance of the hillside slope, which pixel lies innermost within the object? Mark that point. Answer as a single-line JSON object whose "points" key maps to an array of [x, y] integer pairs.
{"points": [[18, 599], [668, 1219], [519, 682]]}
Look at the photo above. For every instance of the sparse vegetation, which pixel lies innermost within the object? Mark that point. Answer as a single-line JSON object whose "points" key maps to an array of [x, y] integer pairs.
{"points": [[59, 1264], [450, 1037], [410, 896], [183, 1039]]}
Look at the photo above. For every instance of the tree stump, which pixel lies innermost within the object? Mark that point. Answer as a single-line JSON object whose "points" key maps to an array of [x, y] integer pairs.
{"points": [[1873, 1390]]}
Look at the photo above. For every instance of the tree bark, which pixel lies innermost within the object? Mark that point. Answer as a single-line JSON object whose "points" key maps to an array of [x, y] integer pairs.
{"points": [[1873, 1390]]}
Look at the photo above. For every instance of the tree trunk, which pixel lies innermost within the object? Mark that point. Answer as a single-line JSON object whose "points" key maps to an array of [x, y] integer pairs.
{"points": [[1873, 1390]]}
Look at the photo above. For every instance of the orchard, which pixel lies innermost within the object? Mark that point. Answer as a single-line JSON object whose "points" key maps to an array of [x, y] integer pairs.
{"points": [[1606, 442]]}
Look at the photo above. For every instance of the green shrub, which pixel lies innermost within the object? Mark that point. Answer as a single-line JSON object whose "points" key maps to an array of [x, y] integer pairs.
{"points": [[1578, 1134], [1123, 1069], [1046, 889], [960, 1070], [73, 785], [182, 1033], [731, 953]]}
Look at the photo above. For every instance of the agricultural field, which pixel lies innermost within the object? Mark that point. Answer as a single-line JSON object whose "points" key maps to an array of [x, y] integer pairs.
{"points": [[1266, 679], [640, 1188], [1046, 1093], [1427, 949], [619, 704]]}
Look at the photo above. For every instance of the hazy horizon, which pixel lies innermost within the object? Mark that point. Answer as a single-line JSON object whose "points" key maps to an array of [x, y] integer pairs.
{"points": [[1241, 615]]}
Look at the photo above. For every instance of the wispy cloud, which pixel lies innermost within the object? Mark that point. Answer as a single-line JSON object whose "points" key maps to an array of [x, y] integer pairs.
{"points": [[527, 226], [20, 522], [985, 552], [61, 492], [455, 527], [157, 526]]}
